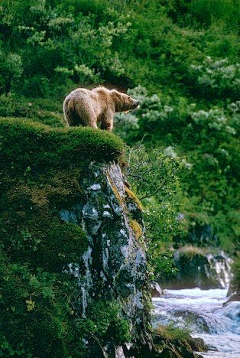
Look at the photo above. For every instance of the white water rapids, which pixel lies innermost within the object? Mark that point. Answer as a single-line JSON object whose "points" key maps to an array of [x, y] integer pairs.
{"points": [[203, 314]]}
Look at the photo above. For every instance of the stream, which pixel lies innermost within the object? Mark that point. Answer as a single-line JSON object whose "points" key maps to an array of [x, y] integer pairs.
{"points": [[203, 314]]}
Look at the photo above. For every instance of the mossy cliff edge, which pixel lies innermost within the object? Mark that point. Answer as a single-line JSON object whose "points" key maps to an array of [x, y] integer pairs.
{"points": [[73, 270]]}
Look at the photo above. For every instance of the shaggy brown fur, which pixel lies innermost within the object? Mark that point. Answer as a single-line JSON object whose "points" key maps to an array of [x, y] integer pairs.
{"points": [[95, 108]]}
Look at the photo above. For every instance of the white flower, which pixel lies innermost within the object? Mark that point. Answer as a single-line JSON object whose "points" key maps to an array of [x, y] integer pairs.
{"points": [[169, 152]]}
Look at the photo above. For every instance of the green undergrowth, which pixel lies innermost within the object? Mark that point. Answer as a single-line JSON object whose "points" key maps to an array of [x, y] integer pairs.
{"points": [[45, 111], [36, 312]]}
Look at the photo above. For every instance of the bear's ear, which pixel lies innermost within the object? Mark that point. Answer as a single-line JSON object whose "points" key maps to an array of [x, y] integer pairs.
{"points": [[116, 97], [115, 92]]}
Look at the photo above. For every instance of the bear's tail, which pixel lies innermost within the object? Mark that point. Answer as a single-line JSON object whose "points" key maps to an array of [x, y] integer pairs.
{"points": [[68, 111]]}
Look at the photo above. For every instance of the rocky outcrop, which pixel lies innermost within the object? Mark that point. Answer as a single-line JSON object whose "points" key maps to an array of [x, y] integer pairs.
{"points": [[156, 290], [233, 297], [199, 268], [115, 266], [233, 293]]}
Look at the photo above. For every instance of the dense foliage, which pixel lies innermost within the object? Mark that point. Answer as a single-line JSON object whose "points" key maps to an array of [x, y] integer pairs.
{"points": [[180, 58], [46, 45], [206, 143], [153, 177]]}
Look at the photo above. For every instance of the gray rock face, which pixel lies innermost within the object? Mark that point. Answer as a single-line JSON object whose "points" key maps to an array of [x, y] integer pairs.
{"points": [[114, 265], [196, 268], [156, 290]]}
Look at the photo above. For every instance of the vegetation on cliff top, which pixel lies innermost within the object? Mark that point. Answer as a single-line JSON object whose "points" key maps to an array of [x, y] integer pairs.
{"points": [[33, 145]]}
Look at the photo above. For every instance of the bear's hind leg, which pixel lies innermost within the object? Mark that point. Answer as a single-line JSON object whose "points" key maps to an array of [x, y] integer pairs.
{"points": [[87, 115]]}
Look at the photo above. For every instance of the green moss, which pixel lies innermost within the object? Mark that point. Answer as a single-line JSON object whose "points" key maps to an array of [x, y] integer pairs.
{"points": [[33, 147], [40, 170]]}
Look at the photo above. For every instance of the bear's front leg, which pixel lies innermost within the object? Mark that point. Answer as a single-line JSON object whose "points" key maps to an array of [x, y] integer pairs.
{"points": [[93, 124]]}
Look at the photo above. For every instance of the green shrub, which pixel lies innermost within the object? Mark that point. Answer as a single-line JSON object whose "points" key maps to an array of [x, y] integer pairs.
{"points": [[153, 177], [11, 70], [217, 78], [54, 42], [37, 316], [109, 324]]}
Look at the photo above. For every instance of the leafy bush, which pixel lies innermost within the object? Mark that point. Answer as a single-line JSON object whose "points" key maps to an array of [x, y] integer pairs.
{"points": [[217, 78], [54, 42], [37, 315], [11, 70], [153, 177]]}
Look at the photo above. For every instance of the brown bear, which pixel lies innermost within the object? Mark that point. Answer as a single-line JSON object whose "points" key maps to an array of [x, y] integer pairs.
{"points": [[96, 107]]}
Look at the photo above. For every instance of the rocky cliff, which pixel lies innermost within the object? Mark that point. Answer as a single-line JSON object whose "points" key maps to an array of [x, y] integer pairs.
{"points": [[114, 266], [73, 239]]}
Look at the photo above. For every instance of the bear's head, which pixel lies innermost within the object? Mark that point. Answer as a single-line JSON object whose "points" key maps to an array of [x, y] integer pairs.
{"points": [[123, 102]]}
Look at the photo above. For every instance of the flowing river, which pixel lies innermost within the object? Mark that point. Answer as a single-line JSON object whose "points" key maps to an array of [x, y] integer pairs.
{"points": [[203, 314]]}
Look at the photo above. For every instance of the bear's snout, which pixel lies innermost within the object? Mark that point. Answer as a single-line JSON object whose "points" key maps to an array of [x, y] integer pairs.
{"points": [[136, 103]]}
